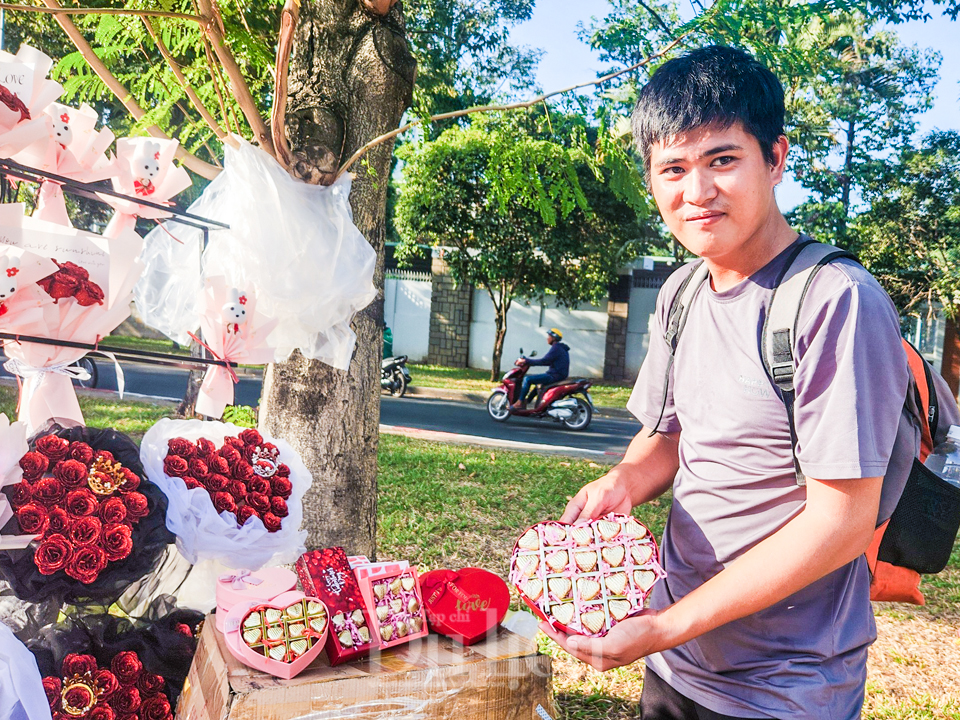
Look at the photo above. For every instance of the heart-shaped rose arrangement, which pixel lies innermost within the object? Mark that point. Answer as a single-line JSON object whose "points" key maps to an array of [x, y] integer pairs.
{"points": [[81, 502], [281, 636], [122, 690], [243, 477], [586, 577]]}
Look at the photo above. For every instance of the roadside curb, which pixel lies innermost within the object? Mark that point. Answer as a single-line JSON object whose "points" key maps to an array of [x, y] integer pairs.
{"points": [[481, 399]]}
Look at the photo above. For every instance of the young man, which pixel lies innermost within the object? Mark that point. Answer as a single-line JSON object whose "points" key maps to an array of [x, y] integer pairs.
{"points": [[557, 360], [765, 610]]}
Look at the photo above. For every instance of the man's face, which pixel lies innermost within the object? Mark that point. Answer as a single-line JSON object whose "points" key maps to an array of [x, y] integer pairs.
{"points": [[714, 189], [551, 339]]}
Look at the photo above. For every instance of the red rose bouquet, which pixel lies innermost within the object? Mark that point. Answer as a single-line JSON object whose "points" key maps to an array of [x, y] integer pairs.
{"points": [[102, 667], [235, 496], [84, 497]]}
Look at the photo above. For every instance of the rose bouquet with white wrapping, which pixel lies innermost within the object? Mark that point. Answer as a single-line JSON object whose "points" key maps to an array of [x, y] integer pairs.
{"points": [[235, 496]]}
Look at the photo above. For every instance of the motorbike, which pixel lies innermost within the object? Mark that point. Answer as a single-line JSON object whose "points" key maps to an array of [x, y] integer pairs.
{"points": [[567, 402], [394, 376]]}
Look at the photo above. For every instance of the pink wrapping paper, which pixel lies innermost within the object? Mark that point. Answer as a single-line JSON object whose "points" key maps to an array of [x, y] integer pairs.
{"points": [[144, 168], [231, 338], [25, 94], [74, 149], [112, 263]]}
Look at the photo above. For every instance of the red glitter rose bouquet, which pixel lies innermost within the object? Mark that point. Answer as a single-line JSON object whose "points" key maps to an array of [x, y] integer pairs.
{"points": [[234, 495], [102, 667], [83, 497]]}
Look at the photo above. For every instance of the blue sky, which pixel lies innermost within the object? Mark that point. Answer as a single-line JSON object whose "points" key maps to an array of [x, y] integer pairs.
{"points": [[567, 60]]}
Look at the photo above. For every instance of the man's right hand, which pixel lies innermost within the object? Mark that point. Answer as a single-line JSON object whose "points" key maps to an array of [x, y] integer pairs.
{"points": [[596, 499]]}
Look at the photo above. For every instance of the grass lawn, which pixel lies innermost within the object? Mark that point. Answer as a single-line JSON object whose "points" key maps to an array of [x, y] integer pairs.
{"points": [[437, 376], [471, 504], [456, 506], [128, 342]]}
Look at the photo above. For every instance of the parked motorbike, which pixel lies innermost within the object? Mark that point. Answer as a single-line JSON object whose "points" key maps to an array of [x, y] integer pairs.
{"points": [[394, 376], [567, 401], [87, 363]]}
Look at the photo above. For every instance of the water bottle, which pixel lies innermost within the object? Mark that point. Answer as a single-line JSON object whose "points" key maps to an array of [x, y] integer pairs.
{"points": [[945, 458]]}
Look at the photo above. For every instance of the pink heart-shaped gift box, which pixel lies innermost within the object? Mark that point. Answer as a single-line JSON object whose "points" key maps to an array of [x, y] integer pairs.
{"points": [[549, 552], [240, 650], [241, 587]]}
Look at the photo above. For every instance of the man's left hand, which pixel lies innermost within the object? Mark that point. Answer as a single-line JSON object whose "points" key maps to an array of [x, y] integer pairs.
{"points": [[627, 641]]}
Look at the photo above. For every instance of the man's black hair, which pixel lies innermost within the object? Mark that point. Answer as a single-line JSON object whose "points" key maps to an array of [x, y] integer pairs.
{"points": [[709, 86]]}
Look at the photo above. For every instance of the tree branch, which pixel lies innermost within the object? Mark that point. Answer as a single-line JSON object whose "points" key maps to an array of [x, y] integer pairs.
{"points": [[194, 163], [187, 88], [49, 10], [241, 91], [510, 106], [288, 24], [656, 16]]}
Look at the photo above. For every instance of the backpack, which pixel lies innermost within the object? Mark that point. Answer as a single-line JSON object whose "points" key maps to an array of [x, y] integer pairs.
{"points": [[919, 535]]}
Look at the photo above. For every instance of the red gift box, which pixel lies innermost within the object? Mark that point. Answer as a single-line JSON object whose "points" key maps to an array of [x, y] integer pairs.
{"points": [[326, 574], [464, 605]]}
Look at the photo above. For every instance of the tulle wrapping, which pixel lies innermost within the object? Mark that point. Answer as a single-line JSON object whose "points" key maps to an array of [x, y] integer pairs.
{"points": [[21, 688], [150, 536], [294, 244], [204, 534], [157, 637]]}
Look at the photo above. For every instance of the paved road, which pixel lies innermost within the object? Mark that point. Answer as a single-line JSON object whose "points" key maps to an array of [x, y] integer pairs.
{"points": [[446, 416]]}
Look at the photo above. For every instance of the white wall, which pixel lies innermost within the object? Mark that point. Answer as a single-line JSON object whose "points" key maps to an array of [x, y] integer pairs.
{"points": [[584, 330], [406, 310], [643, 302]]}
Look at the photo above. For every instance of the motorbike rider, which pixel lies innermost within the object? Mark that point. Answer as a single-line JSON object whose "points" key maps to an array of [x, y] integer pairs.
{"points": [[558, 361]]}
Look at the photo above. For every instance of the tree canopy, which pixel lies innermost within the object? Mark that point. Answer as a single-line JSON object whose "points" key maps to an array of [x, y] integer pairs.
{"points": [[524, 206]]}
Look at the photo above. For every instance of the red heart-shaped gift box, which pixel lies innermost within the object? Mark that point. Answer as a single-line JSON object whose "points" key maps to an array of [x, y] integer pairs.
{"points": [[464, 605], [586, 577]]}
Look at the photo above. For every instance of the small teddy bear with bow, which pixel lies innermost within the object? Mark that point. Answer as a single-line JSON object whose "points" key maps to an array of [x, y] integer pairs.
{"points": [[233, 312]]}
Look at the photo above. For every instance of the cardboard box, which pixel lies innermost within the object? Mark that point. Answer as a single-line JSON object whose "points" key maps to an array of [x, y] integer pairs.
{"points": [[502, 678]]}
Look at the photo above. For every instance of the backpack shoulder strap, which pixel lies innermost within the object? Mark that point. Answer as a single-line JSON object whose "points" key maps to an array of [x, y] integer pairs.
{"points": [[928, 406], [676, 320], [780, 325]]}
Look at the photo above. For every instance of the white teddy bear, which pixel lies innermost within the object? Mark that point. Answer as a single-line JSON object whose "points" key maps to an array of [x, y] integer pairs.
{"points": [[146, 167], [61, 129], [234, 313], [9, 268]]}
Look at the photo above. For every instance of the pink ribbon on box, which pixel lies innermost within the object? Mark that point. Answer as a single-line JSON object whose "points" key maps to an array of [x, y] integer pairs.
{"points": [[240, 580]]}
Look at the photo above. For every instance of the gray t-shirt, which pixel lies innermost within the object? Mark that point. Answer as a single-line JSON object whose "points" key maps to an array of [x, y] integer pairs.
{"points": [[804, 657]]}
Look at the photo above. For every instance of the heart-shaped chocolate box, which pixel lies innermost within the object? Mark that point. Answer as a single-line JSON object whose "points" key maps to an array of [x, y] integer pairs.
{"points": [[281, 636], [586, 577]]}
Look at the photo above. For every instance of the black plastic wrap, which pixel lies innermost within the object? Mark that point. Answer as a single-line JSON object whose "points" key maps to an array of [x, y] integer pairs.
{"points": [[150, 536], [165, 640]]}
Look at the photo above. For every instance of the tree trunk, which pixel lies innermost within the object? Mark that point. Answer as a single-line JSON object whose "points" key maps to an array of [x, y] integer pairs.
{"points": [[499, 334], [351, 78], [846, 179], [188, 404]]}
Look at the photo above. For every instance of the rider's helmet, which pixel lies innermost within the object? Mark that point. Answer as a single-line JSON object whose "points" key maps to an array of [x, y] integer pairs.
{"points": [[555, 334]]}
